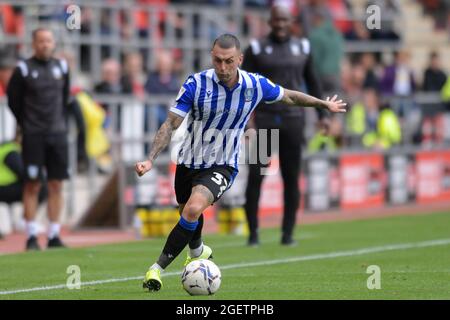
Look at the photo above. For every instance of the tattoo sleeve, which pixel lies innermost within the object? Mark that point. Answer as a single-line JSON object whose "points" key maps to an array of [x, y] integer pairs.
{"points": [[164, 135], [300, 99], [204, 191]]}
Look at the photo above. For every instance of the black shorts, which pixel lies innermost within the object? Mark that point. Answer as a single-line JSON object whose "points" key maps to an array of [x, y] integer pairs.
{"points": [[217, 179], [45, 151]]}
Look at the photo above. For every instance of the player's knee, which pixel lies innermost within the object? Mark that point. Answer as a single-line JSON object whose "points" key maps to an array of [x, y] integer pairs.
{"points": [[54, 187], [192, 211], [32, 187]]}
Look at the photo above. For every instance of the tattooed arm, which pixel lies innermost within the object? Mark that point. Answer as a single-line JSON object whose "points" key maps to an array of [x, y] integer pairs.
{"points": [[160, 142], [297, 98]]}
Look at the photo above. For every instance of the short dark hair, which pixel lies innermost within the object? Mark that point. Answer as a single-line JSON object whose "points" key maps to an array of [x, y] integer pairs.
{"points": [[227, 41], [37, 30]]}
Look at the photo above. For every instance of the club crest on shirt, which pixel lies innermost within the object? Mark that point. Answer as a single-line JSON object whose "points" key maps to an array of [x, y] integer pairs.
{"points": [[248, 94], [56, 72], [33, 171], [34, 74], [295, 49]]}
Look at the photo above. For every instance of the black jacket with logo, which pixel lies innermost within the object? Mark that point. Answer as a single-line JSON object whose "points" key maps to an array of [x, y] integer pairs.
{"points": [[38, 94], [288, 64]]}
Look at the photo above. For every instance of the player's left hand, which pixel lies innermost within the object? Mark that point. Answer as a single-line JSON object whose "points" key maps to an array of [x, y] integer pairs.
{"points": [[335, 105]]}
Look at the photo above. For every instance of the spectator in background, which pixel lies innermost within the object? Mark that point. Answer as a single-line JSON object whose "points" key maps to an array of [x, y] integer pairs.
{"points": [[89, 116], [12, 172], [371, 127], [368, 63], [398, 78], [112, 80], [112, 83], [399, 81], [150, 9], [11, 24], [11, 19], [107, 22], [445, 93], [340, 12], [358, 32], [134, 76], [335, 11], [327, 51], [439, 9], [330, 142], [307, 9], [162, 80], [434, 77], [434, 81], [352, 79]]}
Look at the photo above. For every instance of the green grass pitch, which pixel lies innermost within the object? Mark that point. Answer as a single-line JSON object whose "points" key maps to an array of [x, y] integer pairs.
{"points": [[330, 262]]}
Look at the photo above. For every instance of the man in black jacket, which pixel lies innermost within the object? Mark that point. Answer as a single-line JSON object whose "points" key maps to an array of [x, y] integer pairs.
{"points": [[38, 97], [434, 76], [285, 60]]}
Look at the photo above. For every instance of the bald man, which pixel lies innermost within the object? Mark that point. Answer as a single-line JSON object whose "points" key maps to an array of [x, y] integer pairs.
{"points": [[286, 60]]}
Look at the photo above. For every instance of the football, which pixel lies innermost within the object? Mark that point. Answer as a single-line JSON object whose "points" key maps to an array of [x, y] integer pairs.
{"points": [[201, 277]]}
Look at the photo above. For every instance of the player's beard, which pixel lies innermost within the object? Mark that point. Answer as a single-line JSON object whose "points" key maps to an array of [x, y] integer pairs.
{"points": [[225, 78]]}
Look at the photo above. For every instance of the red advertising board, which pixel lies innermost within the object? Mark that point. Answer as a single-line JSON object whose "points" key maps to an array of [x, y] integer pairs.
{"points": [[271, 198], [433, 176], [362, 181]]}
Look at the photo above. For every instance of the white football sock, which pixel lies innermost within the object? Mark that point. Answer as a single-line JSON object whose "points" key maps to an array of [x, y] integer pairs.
{"points": [[31, 227], [197, 251], [157, 266], [54, 230]]}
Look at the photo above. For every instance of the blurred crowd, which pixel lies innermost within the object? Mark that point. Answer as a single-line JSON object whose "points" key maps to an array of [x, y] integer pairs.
{"points": [[383, 109], [440, 11], [380, 92], [138, 21]]}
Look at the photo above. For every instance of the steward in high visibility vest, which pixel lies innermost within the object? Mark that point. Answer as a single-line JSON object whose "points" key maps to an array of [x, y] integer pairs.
{"points": [[11, 172], [445, 91], [377, 128], [8, 172], [327, 142], [321, 142]]}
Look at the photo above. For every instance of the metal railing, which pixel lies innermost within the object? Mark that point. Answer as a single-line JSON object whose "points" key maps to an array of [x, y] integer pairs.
{"points": [[133, 124], [111, 30]]}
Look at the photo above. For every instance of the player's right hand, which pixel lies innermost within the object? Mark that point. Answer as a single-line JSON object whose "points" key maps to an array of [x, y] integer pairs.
{"points": [[143, 167]]}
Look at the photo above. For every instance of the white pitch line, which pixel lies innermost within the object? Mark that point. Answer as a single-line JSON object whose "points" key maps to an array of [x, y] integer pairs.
{"points": [[330, 255]]}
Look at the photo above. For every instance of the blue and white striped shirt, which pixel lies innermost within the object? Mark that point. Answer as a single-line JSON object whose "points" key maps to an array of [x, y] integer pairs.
{"points": [[217, 116]]}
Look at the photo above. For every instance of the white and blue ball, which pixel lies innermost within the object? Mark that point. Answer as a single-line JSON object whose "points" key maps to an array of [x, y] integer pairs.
{"points": [[201, 277]]}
